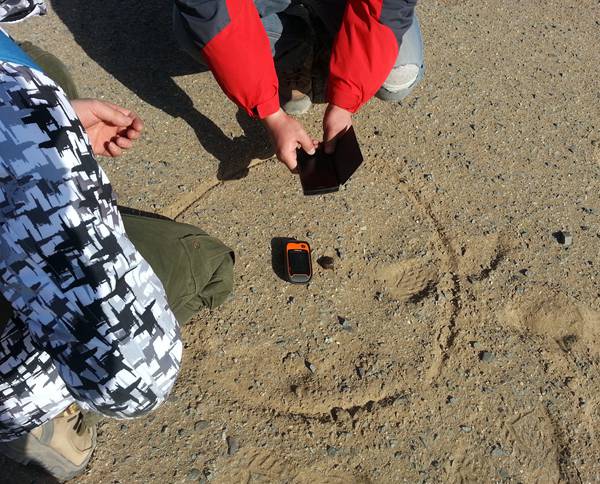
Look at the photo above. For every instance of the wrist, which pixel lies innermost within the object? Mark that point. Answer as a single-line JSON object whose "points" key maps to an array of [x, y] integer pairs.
{"points": [[336, 108], [273, 119]]}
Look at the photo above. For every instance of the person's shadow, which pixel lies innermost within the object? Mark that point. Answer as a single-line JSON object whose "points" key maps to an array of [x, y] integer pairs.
{"points": [[12, 473], [133, 41]]}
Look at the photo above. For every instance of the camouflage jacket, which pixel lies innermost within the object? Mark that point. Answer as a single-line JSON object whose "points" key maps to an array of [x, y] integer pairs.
{"points": [[12, 11]]}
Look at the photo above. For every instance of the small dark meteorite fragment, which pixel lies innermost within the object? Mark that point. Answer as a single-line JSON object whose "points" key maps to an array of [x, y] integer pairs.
{"points": [[325, 262]]}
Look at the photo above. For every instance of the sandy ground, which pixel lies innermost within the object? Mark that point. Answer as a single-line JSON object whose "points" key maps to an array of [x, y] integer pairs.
{"points": [[456, 340]]}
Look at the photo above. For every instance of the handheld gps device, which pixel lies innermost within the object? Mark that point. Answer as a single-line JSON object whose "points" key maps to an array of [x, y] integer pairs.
{"points": [[298, 266]]}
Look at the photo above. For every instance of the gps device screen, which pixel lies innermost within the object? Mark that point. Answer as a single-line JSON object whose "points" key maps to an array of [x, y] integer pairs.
{"points": [[299, 262]]}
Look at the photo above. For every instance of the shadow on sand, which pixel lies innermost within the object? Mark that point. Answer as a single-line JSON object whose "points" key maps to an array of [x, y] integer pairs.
{"points": [[13, 472]]}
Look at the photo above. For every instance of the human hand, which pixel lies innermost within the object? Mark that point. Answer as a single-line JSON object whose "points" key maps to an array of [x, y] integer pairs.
{"points": [[110, 128], [288, 135], [336, 122]]}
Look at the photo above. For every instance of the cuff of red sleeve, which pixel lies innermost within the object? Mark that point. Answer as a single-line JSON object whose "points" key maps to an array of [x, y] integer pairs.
{"points": [[267, 108], [342, 98]]}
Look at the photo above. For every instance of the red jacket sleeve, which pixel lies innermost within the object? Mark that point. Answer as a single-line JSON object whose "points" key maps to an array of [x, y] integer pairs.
{"points": [[365, 49], [236, 49]]}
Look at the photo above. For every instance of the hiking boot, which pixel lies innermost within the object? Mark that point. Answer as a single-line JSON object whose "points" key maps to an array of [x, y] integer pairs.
{"points": [[295, 89], [62, 446]]}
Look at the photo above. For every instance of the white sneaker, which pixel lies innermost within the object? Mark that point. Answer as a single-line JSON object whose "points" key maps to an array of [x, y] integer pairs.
{"points": [[399, 82]]}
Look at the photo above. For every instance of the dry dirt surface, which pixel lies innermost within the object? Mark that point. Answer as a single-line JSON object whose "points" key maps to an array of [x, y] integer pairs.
{"points": [[456, 339]]}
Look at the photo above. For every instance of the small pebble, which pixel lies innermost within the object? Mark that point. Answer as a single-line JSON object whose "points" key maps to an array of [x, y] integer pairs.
{"points": [[325, 262], [201, 425], [232, 445], [466, 428], [563, 238], [487, 356], [332, 451], [312, 368], [360, 372], [345, 324], [498, 451], [194, 474]]}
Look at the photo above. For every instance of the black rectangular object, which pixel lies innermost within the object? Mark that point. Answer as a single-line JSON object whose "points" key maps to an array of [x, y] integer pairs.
{"points": [[322, 173]]}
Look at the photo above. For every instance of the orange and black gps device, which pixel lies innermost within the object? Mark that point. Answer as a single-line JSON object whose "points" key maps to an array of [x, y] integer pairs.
{"points": [[298, 266]]}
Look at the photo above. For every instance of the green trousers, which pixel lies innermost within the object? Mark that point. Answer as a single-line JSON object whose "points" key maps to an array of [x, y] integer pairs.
{"points": [[195, 269]]}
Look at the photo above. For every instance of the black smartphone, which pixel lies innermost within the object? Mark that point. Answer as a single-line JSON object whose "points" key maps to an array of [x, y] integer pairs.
{"points": [[347, 157], [317, 173], [322, 173]]}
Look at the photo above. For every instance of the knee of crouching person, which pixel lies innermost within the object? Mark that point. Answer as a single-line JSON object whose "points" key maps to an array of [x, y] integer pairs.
{"points": [[209, 268]]}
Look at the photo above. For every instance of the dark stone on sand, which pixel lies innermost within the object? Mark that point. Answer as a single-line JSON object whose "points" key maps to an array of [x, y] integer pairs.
{"points": [[563, 237], [487, 356], [325, 262], [232, 445]]}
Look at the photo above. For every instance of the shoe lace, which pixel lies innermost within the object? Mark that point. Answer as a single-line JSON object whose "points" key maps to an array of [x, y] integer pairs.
{"points": [[81, 422]]}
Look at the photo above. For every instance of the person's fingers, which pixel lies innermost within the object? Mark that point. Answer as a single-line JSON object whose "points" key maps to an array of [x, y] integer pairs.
{"points": [[330, 138], [329, 146], [109, 115], [306, 143], [131, 133], [121, 109], [137, 124], [122, 142], [288, 157], [113, 150]]}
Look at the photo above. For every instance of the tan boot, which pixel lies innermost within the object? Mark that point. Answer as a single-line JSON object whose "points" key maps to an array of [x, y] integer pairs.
{"points": [[295, 88], [62, 446]]}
